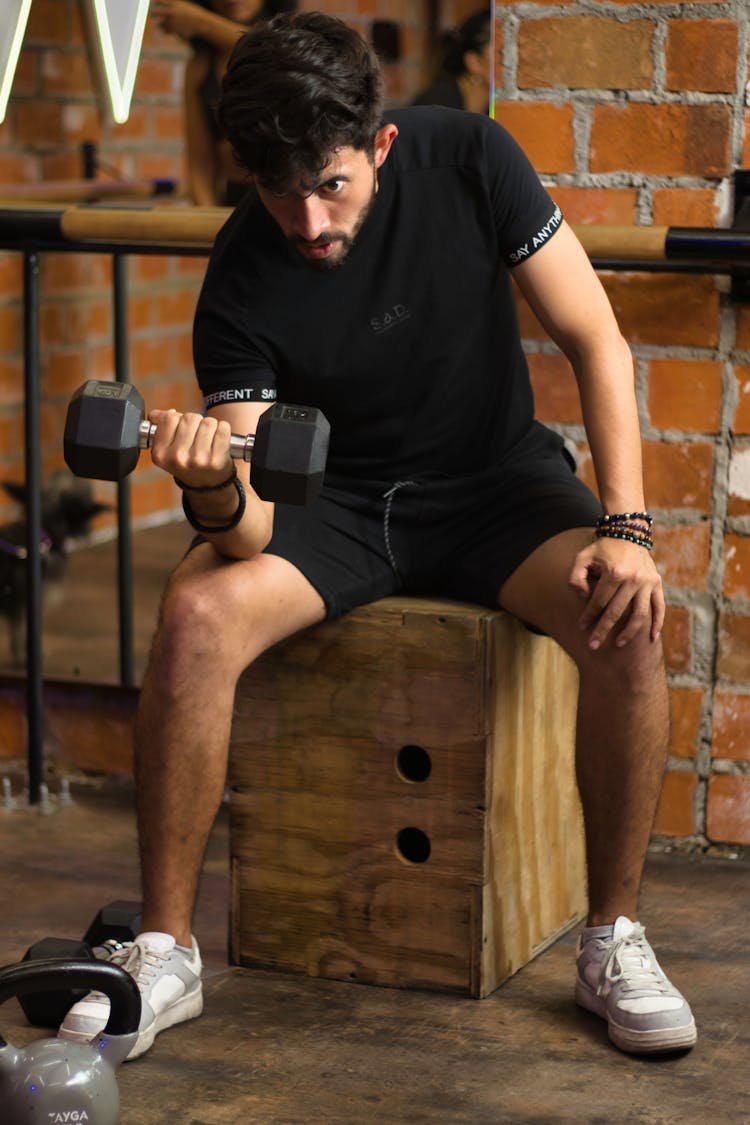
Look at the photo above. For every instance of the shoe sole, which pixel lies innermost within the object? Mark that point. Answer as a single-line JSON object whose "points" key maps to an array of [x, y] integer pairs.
{"points": [[627, 1039], [187, 1008]]}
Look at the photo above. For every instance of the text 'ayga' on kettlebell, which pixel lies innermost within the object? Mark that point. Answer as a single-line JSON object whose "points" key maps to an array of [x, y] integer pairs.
{"points": [[53, 1080]]}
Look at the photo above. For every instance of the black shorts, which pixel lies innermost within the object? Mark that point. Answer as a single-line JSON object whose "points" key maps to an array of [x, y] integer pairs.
{"points": [[454, 537]]}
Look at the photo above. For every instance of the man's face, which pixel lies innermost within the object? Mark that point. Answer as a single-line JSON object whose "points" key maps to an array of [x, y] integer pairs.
{"points": [[322, 219]]}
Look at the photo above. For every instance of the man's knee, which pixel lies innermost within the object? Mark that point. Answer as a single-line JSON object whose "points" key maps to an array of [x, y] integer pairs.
{"points": [[634, 668]]}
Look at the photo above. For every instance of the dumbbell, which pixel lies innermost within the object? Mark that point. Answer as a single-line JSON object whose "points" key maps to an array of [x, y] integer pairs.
{"points": [[106, 428], [115, 923]]}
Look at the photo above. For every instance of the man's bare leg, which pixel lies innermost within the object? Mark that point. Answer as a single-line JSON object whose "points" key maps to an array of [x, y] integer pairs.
{"points": [[623, 725], [621, 746], [216, 618]]}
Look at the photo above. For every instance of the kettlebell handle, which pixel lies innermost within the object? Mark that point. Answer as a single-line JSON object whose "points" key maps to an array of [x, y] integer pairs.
{"points": [[60, 973]]}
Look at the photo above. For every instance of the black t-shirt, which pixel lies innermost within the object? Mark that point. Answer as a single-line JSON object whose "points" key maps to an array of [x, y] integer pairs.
{"points": [[411, 347]]}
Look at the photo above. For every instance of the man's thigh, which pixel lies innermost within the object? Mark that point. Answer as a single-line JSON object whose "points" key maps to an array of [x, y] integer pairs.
{"points": [[539, 591]]}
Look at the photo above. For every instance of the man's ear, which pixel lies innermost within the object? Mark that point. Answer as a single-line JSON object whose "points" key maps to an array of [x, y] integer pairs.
{"points": [[384, 138]]}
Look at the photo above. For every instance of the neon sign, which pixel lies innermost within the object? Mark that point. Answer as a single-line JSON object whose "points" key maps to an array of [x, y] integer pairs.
{"points": [[11, 38], [117, 26]]}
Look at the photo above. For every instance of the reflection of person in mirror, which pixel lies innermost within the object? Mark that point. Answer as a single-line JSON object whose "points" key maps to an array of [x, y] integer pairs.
{"points": [[462, 74], [371, 275], [212, 28]]}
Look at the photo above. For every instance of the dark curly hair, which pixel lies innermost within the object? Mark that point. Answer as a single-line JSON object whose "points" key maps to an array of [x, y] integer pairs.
{"points": [[295, 91]]}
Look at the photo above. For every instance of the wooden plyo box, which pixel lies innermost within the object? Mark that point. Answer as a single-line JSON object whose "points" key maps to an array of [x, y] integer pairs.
{"points": [[403, 807]]}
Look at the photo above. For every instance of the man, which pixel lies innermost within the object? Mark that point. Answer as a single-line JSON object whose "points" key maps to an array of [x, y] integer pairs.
{"points": [[369, 277]]}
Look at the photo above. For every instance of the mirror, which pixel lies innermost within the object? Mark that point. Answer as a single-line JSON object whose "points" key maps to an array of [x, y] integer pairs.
{"points": [[80, 614]]}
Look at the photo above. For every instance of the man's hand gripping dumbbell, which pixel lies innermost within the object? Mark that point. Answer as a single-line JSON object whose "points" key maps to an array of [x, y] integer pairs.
{"points": [[106, 429]]}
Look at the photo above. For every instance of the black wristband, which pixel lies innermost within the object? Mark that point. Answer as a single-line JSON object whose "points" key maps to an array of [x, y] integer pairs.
{"points": [[208, 487], [207, 529]]}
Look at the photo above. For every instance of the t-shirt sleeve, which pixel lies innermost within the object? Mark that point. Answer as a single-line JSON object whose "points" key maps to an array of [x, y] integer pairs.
{"points": [[525, 215], [230, 363]]}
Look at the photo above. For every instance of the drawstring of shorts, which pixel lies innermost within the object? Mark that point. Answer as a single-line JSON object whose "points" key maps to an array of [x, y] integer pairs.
{"points": [[388, 497]]}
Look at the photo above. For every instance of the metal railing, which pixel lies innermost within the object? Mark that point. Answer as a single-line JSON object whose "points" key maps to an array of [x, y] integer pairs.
{"points": [[190, 231]]}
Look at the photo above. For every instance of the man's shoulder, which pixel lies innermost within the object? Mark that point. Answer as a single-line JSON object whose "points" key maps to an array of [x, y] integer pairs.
{"points": [[432, 135]]}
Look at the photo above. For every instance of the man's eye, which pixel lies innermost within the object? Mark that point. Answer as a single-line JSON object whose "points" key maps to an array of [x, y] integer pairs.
{"points": [[333, 186]]}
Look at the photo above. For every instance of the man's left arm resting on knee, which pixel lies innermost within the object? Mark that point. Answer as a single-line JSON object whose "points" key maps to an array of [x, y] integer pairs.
{"points": [[616, 578]]}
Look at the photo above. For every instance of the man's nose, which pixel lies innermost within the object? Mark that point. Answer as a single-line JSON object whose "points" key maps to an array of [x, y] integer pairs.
{"points": [[310, 218]]}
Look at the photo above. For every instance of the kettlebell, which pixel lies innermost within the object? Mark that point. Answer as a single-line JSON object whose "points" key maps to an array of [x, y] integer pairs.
{"points": [[56, 1082]]}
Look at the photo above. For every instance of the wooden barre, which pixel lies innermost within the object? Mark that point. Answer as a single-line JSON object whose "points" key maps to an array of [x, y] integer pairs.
{"points": [[83, 191], [197, 227]]}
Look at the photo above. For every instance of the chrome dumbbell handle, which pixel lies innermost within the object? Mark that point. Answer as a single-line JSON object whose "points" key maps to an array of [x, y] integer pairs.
{"points": [[241, 448]]}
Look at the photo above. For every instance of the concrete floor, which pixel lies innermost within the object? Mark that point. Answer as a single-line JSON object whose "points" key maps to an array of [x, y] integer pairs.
{"points": [[274, 1049]]}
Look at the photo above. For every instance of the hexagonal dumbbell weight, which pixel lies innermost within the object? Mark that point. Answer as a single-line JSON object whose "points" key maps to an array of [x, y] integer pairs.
{"points": [[106, 429], [115, 923]]}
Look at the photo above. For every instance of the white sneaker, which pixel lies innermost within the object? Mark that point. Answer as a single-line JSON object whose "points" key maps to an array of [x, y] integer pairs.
{"points": [[620, 980], [169, 978]]}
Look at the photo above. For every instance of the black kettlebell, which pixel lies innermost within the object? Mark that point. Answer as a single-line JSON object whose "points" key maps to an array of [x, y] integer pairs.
{"points": [[53, 1080]]}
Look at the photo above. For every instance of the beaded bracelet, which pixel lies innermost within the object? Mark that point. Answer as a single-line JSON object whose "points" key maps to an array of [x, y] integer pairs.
{"points": [[621, 526], [207, 529], [610, 533], [621, 516]]}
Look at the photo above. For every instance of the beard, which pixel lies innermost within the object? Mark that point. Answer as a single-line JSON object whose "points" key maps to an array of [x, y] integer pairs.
{"points": [[344, 239]]}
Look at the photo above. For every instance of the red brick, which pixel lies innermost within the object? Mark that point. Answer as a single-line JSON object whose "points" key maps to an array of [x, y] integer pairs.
{"points": [[64, 273], [61, 166], [702, 55], [169, 124], [63, 371], [67, 73], [675, 815], [733, 662], [685, 394], [742, 413], [176, 307], [677, 639], [685, 207], [739, 479], [661, 140], [585, 52], [158, 76], [11, 274], [685, 706], [544, 131], [731, 723], [743, 327], [728, 812], [678, 474], [555, 388], [11, 328], [682, 555], [582, 205], [11, 382], [18, 168], [675, 310], [26, 78], [47, 23], [81, 123], [736, 566], [40, 124]]}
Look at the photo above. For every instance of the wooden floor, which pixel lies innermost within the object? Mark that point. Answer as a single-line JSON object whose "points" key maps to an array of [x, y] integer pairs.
{"points": [[275, 1049]]}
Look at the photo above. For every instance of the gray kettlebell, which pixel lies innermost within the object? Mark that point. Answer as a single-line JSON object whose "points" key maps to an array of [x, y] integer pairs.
{"points": [[54, 1081]]}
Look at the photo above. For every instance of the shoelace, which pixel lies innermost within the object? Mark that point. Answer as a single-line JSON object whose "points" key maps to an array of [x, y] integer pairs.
{"points": [[628, 960], [140, 963]]}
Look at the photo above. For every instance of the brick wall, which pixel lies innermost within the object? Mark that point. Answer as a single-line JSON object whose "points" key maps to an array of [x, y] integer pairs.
{"points": [[635, 113]]}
